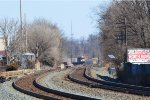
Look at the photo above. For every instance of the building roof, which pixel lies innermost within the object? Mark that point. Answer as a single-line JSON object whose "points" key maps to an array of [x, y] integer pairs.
{"points": [[28, 54]]}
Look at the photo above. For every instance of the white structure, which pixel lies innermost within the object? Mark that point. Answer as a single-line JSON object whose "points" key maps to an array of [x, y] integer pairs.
{"points": [[2, 44], [2, 51], [139, 56], [25, 58]]}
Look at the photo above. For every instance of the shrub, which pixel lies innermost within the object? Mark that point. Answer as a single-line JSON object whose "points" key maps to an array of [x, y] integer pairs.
{"points": [[12, 67]]}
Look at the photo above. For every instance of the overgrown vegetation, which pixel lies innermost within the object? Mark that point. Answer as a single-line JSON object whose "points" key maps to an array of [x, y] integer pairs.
{"points": [[82, 47], [43, 39], [13, 66], [124, 20], [126, 24]]}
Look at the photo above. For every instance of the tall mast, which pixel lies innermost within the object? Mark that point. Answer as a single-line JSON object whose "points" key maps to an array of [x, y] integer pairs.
{"points": [[71, 42]]}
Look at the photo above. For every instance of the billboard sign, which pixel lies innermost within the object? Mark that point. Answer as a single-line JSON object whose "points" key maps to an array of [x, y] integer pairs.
{"points": [[139, 56]]}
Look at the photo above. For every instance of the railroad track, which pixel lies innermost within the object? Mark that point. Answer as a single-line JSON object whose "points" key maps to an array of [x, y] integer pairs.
{"points": [[78, 76], [82, 76], [29, 85], [117, 84]]}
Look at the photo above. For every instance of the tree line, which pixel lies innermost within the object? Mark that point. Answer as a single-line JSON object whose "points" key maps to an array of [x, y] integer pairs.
{"points": [[45, 40], [88, 47], [40, 37], [124, 24]]}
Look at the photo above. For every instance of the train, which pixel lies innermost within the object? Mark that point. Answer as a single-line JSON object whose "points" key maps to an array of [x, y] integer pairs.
{"points": [[78, 60]]}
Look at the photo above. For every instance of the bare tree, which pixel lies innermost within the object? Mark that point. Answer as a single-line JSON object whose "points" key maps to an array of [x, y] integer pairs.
{"points": [[8, 29], [44, 38], [125, 24], [83, 47]]}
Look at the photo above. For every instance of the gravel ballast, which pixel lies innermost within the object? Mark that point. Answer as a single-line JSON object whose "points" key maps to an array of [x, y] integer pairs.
{"points": [[7, 92], [58, 81], [100, 71]]}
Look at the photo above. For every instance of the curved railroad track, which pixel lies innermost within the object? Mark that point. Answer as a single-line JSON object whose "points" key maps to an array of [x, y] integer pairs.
{"points": [[30, 85], [82, 76], [27, 86], [123, 85], [77, 76]]}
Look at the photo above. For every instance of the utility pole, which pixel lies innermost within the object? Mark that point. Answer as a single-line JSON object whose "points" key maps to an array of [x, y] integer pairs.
{"points": [[125, 22], [25, 30], [126, 39], [98, 41], [123, 36], [21, 24], [37, 63], [71, 42], [21, 16]]}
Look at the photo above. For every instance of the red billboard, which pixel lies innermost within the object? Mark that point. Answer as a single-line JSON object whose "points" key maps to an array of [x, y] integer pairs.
{"points": [[139, 56]]}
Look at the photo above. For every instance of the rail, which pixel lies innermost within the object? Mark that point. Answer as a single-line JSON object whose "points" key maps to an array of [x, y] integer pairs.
{"points": [[57, 92], [126, 88]]}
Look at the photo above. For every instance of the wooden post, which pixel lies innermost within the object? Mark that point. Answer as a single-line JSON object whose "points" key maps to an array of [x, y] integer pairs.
{"points": [[37, 63]]}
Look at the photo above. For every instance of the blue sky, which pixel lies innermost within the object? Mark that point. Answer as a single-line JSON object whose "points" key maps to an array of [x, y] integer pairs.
{"points": [[61, 12]]}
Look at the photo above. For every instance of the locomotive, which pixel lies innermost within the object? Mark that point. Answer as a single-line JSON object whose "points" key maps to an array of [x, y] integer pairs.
{"points": [[78, 60]]}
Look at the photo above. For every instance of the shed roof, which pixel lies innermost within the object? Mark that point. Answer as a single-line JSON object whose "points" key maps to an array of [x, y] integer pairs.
{"points": [[27, 53]]}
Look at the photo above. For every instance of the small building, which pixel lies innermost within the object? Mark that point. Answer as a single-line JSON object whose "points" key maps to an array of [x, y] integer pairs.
{"points": [[27, 60]]}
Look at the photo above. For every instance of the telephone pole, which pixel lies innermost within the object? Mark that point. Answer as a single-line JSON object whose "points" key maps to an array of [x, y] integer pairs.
{"points": [[125, 22], [123, 36], [25, 32], [71, 42], [126, 39], [21, 33], [20, 15]]}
